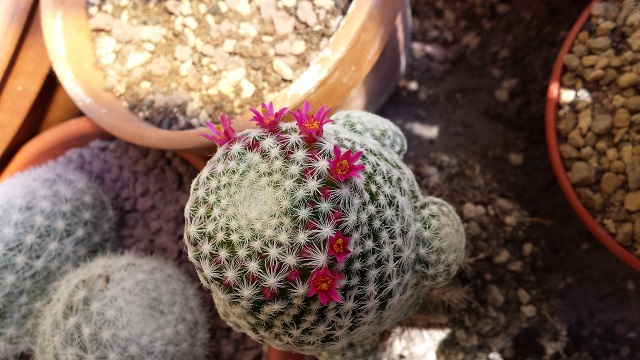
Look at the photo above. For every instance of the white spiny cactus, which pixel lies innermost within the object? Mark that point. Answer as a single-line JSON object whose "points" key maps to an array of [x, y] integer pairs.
{"points": [[282, 213], [127, 308], [53, 219]]}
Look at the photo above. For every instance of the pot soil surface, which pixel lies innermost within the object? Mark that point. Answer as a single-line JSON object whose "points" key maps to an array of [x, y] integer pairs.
{"points": [[475, 91]]}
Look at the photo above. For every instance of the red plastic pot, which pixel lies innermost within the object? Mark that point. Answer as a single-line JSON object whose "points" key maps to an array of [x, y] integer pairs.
{"points": [[551, 117]]}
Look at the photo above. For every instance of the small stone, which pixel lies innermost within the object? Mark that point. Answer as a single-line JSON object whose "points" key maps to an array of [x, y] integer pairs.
{"points": [[633, 172], [283, 48], [123, 31], [472, 211], [248, 89], [235, 76], [190, 22], [502, 95], [621, 118], [575, 139], [185, 8], [585, 119], [182, 53], [599, 44], [632, 103], [502, 257], [604, 28], [229, 45], [160, 66], [566, 96], [325, 4], [173, 7], [632, 201], [625, 234], [494, 295], [154, 34], [523, 296], [634, 41], [243, 8], [298, 47], [101, 22], [282, 69], [602, 124], [567, 123], [571, 62], [305, 13], [136, 59], [267, 8], [527, 249], [516, 159], [528, 311], [510, 220], [515, 266], [581, 174], [208, 50], [283, 23], [627, 80], [610, 182]]}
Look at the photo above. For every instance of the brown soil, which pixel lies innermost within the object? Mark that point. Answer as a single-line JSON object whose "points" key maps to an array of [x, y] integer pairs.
{"points": [[491, 129]]}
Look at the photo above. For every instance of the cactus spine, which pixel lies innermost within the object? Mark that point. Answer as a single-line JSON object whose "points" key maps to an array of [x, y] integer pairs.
{"points": [[124, 307], [315, 239], [52, 220]]}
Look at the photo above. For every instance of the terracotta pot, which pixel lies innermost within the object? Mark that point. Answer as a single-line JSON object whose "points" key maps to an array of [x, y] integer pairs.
{"points": [[551, 114], [345, 75]]}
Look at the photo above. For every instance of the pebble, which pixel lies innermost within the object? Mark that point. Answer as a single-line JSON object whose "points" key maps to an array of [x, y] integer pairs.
{"points": [[581, 174], [527, 249], [182, 53], [173, 7], [528, 311], [305, 13], [516, 159], [247, 89], [472, 211], [632, 201], [282, 69], [632, 171], [101, 22], [610, 182], [298, 47], [523, 296], [602, 124], [625, 233], [494, 295], [502, 257], [515, 266], [325, 4], [136, 59]]}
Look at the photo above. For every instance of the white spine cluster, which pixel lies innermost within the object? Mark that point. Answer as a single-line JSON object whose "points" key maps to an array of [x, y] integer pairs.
{"points": [[52, 220], [124, 307], [264, 207]]}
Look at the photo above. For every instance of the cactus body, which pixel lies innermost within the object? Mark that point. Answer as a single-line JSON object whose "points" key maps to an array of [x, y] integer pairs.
{"points": [[124, 307], [275, 219], [52, 220]]}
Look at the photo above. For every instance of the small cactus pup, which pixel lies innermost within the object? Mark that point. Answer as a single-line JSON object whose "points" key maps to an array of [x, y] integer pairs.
{"points": [[313, 236], [53, 219], [124, 307]]}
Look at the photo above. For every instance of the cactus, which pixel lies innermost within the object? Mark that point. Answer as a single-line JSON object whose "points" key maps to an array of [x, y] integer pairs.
{"points": [[52, 220], [313, 236], [124, 307]]}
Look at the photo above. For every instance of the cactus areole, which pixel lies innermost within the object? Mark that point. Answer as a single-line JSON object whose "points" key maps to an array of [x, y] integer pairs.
{"points": [[313, 236]]}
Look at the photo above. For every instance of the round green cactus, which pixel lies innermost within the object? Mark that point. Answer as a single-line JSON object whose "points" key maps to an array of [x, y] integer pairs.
{"points": [[124, 307], [53, 219], [313, 236]]}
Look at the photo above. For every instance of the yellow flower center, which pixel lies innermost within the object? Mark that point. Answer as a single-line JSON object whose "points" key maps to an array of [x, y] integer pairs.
{"points": [[323, 282], [342, 167], [311, 123], [338, 245]]}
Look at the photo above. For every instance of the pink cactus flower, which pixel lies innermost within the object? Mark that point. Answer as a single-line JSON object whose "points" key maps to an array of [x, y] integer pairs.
{"points": [[324, 283], [343, 165], [267, 118], [310, 125], [221, 134], [338, 246]]}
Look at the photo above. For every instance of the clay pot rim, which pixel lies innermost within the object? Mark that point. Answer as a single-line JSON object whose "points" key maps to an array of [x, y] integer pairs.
{"points": [[84, 82], [57, 140], [551, 115]]}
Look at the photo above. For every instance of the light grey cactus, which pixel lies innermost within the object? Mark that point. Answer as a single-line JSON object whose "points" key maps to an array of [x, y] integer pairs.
{"points": [[53, 219], [124, 307], [289, 211]]}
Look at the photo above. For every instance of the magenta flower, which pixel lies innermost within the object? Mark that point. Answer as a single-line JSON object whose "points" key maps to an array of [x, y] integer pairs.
{"points": [[343, 165], [221, 134], [310, 125], [267, 118], [338, 245], [324, 283]]}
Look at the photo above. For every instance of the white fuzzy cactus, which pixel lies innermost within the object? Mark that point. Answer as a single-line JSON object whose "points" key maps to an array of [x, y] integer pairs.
{"points": [[315, 240], [126, 308], [53, 219]]}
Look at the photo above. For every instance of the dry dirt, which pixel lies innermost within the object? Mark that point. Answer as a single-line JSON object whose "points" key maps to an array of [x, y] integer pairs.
{"points": [[479, 77]]}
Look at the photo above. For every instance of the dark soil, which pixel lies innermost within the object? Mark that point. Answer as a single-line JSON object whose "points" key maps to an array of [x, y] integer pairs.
{"points": [[588, 300]]}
